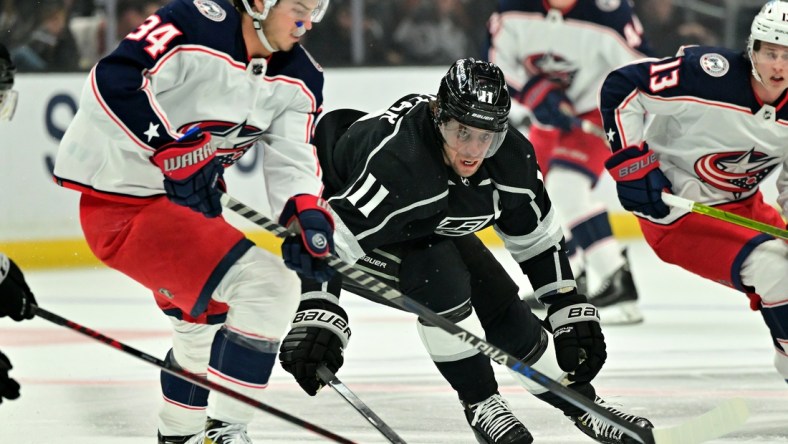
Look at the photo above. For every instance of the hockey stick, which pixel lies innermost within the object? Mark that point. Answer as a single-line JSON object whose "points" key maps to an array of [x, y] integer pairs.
{"points": [[680, 202], [331, 379], [394, 296], [189, 376]]}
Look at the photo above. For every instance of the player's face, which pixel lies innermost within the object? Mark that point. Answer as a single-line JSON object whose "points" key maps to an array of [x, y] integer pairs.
{"points": [[771, 61], [465, 147], [280, 25]]}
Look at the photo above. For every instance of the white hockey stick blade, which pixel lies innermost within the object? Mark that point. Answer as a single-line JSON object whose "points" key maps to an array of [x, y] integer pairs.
{"points": [[724, 419], [677, 201]]}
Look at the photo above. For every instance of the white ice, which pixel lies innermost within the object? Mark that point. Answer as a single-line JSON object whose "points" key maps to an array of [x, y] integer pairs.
{"points": [[700, 344]]}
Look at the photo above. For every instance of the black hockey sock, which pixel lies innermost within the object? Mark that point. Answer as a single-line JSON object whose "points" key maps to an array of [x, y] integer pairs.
{"points": [[472, 378]]}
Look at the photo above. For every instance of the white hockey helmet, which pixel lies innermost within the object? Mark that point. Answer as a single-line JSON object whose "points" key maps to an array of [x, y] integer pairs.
{"points": [[259, 16], [769, 25]]}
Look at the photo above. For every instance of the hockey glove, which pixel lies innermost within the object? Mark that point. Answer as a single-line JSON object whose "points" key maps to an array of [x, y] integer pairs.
{"points": [[639, 181], [192, 173], [548, 103], [16, 299], [307, 215], [9, 389], [579, 343], [318, 335]]}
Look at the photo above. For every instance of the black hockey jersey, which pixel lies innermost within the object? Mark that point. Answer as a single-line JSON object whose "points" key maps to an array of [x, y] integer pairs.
{"points": [[387, 182]]}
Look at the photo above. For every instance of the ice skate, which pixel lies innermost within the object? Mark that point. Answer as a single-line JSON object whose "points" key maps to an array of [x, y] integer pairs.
{"points": [[605, 433], [492, 421], [617, 298], [197, 438], [530, 299], [218, 432]]}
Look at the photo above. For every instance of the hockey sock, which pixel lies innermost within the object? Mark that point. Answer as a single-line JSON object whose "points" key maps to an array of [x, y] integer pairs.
{"points": [[472, 377], [243, 363]]}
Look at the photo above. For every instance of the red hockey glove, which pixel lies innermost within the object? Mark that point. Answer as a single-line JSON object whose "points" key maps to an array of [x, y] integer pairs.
{"points": [[192, 173], [307, 215], [639, 181], [548, 103]]}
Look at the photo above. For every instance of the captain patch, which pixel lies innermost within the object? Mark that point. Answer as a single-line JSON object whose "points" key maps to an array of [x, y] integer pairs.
{"points": [[210, 9], [714, 64]]}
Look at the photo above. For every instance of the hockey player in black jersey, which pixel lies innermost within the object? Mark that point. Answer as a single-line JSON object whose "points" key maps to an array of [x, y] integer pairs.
{"points": [[408, 188]]}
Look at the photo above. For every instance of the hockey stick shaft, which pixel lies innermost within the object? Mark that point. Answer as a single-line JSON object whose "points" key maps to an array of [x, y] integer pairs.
{"points": [[331, 379], [186, 375], [680, 202], [494, 353]]}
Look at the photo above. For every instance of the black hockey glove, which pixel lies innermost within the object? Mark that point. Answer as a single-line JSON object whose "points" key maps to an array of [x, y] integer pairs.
{"points": [[307, 215], [192, 173], [579, 343], [318, 335], [9, 389], [16, 299], [548, 103], [639, 181]]}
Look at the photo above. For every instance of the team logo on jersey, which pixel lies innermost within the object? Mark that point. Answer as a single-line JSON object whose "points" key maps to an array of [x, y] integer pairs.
{"points": [[210, 9], [231, 139], [608, 5], [735, 172], [551, 65], [714, 64], [460, 226]]}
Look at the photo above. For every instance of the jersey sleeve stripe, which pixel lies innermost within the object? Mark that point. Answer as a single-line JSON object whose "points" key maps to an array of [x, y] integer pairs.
{"points": [[108, 111]]}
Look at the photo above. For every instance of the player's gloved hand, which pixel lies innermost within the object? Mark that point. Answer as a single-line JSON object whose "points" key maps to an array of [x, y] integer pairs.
{"points": [[16, 299], [307, 215], [639, 181], [548, 103], [192, 173], [318, 335], [9, 389], [579, 343]]}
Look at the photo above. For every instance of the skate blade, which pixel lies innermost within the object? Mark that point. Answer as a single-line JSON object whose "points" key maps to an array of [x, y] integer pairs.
{"points": [[624, 313]]}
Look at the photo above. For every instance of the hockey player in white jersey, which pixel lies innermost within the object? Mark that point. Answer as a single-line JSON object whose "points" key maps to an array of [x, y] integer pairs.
{"points": [[720, 127], [555, 54], [181, 98]]}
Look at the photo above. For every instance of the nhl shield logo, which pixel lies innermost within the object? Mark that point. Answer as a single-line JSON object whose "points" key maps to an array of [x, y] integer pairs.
{"points": [[714, 64], [210, 9]]}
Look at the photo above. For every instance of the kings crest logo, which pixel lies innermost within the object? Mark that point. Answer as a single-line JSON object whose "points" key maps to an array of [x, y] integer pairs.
{"points": [[460, 226], [210, 9], [735, 172], [714, 64]]}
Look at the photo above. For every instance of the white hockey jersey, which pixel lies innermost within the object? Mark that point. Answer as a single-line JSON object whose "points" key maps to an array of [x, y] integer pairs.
{"points": [[579, 45], [716, 140], [187, 65]]}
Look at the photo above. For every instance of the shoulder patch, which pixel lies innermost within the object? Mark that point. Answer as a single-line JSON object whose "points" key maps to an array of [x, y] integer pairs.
{"points": [[608, 5], [714, 64], [210, 9]]}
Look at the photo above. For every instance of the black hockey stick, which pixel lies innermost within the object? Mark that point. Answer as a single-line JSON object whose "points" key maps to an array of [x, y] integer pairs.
{"points": [[331, 379], [189, 376], [728, 416]]}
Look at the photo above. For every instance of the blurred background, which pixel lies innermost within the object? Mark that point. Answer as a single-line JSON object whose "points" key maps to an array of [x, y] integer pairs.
{"points": [[71, 35]]}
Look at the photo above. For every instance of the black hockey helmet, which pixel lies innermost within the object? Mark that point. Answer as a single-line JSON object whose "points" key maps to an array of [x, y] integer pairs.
{"points": [[474, 93]]}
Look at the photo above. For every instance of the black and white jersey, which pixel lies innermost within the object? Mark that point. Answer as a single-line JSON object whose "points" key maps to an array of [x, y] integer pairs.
{"points": [[716, 140], [387, 182]]}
